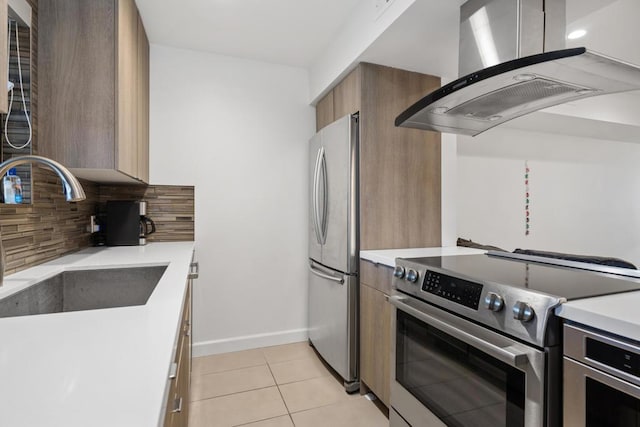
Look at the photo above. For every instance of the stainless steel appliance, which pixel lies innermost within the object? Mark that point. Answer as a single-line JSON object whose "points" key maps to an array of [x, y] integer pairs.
{"points": [[602, 379], [127, 223], [510, 65], [476, 340], [333, 247]]}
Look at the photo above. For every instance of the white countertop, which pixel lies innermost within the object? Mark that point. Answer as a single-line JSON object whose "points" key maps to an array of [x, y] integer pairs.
{"points": [[616, 313], [95, 368], [388, 256]]}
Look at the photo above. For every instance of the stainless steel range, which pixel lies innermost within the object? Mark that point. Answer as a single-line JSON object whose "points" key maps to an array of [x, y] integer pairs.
{"points": [[477, 342]]}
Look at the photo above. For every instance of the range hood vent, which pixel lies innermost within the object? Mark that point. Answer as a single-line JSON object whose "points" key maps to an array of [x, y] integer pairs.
{"points": [[511, 34], [487, 98]]}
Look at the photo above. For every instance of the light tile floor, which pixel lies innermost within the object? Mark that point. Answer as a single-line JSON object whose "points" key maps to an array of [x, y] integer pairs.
{"points": [[281, 386]]}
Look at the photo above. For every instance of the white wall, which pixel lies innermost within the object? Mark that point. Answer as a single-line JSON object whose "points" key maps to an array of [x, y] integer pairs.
{"points": [[238, 129], [584, 193], [363, 27]]}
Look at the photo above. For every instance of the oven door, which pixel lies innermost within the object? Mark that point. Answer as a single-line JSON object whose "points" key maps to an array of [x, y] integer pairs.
{"points": [[593, 398], [447, 371]]}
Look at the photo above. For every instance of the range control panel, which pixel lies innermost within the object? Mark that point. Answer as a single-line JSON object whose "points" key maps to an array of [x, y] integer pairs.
{"points": [[452, 288]]}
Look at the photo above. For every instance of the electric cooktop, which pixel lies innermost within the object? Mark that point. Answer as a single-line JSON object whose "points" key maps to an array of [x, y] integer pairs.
{"points": [[567, 282]]}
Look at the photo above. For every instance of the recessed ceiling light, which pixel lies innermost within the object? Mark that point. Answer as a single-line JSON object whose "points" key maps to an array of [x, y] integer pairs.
{"points": [[439, 110], [576, 34], [524, 77]]}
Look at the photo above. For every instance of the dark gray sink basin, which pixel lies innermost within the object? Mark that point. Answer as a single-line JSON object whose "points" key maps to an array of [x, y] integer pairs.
{"points": [[84, 290]]}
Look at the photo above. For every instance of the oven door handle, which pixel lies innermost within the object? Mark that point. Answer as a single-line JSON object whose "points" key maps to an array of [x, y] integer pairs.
{"points": [[512, 355]]}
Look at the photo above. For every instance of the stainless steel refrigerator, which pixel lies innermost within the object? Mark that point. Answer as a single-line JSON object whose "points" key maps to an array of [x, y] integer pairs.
{"points": [[333, 247]]}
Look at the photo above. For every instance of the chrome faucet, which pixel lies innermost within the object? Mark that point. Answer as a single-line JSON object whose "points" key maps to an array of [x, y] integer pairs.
{"points": [[71, 187]]}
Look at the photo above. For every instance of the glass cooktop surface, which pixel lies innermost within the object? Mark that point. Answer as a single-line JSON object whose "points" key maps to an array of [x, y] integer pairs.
{"points": [[570, 283]]}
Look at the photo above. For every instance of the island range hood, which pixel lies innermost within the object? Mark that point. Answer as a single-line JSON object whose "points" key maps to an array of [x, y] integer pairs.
{"points": [[496, 34]]}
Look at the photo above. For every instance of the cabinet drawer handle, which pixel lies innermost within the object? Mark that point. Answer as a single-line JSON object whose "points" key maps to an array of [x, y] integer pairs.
{"points": [[177, 405], [173, 371], [194, 271]]}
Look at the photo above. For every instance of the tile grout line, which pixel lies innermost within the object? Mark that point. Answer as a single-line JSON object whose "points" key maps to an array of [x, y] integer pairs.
{"points": [[281, 396], [226, 370], [231, 394], [279, 391], [291, 360], [236, 392], [329, 374], [318, 407], [253, 422], [204, 374]]}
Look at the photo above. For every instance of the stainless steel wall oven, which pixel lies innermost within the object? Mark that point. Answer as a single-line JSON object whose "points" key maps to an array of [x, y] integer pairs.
{"points": [[602, 379]]}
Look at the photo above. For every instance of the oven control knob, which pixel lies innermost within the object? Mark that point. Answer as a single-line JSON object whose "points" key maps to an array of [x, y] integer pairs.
{"points": [[412, 276], [493, 302], [523, 311], [398, 272]]}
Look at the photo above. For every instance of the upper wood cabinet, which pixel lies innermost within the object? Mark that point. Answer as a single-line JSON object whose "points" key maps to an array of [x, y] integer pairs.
{"points": [[399, 167], [347, 94], [143, 103], [324, 111], [94, 88]]}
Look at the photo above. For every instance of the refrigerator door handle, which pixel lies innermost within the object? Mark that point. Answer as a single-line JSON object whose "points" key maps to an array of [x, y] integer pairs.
{"points": [[325, 197], [314, 196], [319, 273]]}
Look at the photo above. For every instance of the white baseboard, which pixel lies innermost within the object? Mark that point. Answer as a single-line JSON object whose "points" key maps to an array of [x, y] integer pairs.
{"points": [[206, 348]]}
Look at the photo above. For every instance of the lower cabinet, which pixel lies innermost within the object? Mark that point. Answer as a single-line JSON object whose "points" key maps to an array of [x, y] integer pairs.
{"points": [[375, 329], [177, 414]]}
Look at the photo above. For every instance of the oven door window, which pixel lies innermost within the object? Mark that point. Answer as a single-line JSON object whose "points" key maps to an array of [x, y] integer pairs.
{"points": [[608, 407], [460, 384]]}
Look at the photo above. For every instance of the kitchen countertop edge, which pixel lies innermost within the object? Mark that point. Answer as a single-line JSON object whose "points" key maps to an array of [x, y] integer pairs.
{"points": [[616, 314], [388, 256]]}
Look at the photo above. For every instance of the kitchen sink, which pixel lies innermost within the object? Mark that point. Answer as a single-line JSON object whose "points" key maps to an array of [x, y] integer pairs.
{"points": [[79, 290]]}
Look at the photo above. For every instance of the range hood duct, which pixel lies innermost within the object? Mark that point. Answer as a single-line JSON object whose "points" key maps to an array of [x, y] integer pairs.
{"points": [[483, 99]]}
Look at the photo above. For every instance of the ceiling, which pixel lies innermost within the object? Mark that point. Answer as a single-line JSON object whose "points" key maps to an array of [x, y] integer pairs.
{"points": [[287, 32], [423, 39]]}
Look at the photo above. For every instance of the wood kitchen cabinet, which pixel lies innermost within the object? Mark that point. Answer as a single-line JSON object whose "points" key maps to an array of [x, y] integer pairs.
{"points": [[94, 88], [399, 167], [142, 114], [347, 93], [324, 111], [399, 192], [375, 328], [177, 413]]}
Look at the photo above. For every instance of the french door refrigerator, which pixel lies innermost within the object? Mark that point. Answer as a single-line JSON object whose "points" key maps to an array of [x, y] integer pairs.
{"points": [[333, 247]]}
